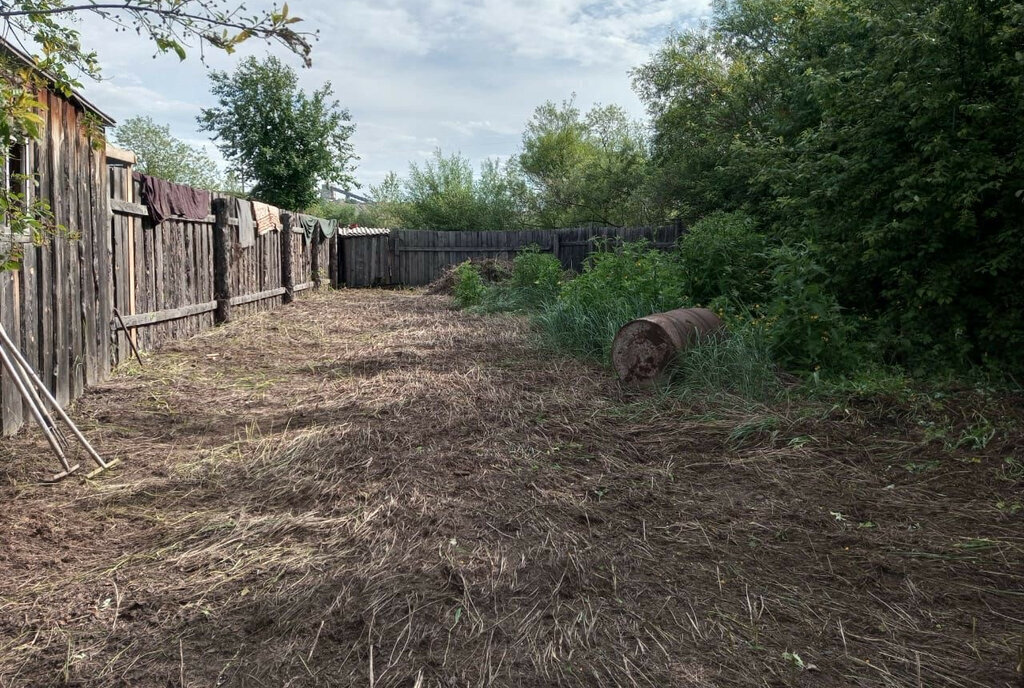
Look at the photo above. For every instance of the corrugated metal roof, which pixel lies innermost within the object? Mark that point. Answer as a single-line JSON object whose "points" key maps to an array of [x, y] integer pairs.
{"points": [[363, 231]]}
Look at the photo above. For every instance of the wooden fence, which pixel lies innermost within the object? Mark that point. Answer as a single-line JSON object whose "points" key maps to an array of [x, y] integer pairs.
{"points": [[159, 271], [365, 258], [415, 257], [52, 306], [180, 277], [165, 281]]}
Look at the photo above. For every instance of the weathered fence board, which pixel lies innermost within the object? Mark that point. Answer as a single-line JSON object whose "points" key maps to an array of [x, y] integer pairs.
{"points": [[417, 257], [158, 270], [49, 305]]}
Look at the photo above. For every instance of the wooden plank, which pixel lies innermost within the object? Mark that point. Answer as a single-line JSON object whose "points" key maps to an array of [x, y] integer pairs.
{"points": [[121, 251], [510, 247], [63, 311], [146, 319], [10, 399], [91, 282], [303, 287], [314, 256], [160, 300], [81, 306], [332, 259], [125, 207], [120, 155], [287, 265], [259, 296], [29, 307]]}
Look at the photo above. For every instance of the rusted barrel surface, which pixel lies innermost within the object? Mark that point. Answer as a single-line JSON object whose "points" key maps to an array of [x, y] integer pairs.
{"points": [[642, 348]]}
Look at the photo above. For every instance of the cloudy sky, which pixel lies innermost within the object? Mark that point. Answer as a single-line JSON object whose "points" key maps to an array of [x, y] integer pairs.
{"points": [[460, 75]]}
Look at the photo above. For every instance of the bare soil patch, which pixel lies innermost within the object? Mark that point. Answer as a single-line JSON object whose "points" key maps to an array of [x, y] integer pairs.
{"points": [[369, 488]]}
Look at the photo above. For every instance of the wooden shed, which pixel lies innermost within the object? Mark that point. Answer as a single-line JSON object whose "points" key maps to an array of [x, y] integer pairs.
{"points": [[52, 305]]}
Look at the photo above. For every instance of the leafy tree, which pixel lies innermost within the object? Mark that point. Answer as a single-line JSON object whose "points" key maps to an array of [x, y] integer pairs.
{"points": [[284, 142], [585, 168], [882, 140], [502, 195], [385, 211], [56, 49], [345, 213], [162, 155], [445, 194], [439, 194]]}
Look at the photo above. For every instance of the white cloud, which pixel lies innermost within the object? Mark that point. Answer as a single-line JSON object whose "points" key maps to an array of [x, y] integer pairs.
{"points": [[462, 75]]}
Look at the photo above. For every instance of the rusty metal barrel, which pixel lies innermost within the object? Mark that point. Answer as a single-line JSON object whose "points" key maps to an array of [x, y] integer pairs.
{"points": [[643, 348]]}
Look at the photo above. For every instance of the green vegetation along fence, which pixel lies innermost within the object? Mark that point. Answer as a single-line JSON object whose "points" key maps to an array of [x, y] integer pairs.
{"points": [[416, 257]]}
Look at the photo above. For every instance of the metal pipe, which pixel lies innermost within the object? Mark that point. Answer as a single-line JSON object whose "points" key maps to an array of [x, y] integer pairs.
{"points": [[6, 340], [26, 375], [20, 384]]}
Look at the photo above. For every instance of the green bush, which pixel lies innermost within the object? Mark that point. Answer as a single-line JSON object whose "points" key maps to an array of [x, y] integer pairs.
{"points": [[723, 255], [803, 320], [616, 286], [469, 289], [536, 276], [898, 154]]}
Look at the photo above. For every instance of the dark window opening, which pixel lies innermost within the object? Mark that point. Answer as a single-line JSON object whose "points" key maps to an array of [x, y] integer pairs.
{"points": [[17, 181]]}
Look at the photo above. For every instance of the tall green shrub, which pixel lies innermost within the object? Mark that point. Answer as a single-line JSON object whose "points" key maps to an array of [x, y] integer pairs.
{"points": [[616, 286], [536, 277], [723, 256], [469, 289], [884, 135], [805, 324]]}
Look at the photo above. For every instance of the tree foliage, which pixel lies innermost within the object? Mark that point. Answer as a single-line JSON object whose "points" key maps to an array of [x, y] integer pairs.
{"points": [[444, 193], [585, 168], [45, 29], [172, 26], [277, 138], [162, 155], [882, 139]]}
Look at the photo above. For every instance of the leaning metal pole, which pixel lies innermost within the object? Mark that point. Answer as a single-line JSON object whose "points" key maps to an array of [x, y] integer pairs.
{"points": [[15, 372], [5, 340]]}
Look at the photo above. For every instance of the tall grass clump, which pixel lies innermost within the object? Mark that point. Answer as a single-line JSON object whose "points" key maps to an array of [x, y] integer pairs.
{"points": [[531, 285], [616, 286], [739, 364]]}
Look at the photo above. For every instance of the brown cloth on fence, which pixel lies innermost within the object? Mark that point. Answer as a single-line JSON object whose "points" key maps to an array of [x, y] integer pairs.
{"points": [[166, 199], [268, 218], [246, 223]]}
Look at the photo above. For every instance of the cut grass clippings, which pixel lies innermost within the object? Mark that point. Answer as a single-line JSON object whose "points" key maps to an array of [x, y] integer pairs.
{"points": [[369, 488]]}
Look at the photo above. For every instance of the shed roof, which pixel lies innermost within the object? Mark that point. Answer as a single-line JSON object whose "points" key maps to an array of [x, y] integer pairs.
{"points": [[363, 231], [76, 97]]}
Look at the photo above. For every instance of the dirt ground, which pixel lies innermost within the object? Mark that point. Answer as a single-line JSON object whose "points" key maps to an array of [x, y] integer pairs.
{"points": [[368, 488]]}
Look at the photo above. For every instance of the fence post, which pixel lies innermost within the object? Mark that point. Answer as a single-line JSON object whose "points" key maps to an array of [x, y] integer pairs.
{"points": [[393, 277], [554, 245], [221, 263], [287, 275], [342, 276], [314, 258], [332, 259]]}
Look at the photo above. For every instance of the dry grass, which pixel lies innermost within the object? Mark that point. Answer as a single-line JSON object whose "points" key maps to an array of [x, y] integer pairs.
{"points": [[368, 488]]}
